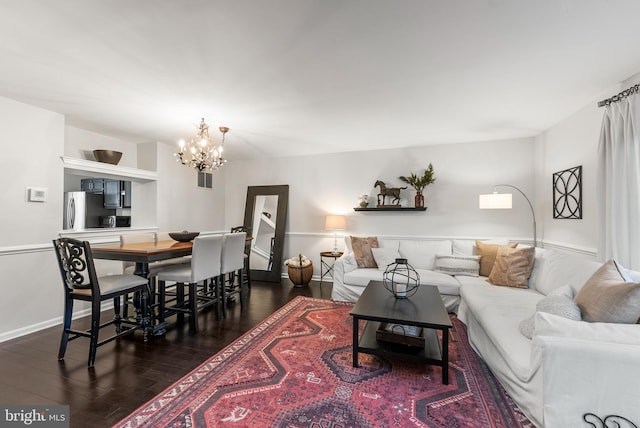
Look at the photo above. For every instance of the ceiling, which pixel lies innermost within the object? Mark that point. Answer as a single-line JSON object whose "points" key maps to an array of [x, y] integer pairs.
{"points": [[297, 77]]}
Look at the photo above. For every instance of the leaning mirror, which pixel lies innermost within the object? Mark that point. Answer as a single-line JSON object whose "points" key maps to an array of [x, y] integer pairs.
{"points": [[265, 216]]}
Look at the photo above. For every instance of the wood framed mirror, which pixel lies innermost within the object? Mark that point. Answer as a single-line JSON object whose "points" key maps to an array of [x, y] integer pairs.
{"points": [[265, 216]]}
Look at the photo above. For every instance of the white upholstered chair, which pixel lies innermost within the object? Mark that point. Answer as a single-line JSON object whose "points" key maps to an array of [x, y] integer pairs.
{"points": [[199, 277], [231, 269]]}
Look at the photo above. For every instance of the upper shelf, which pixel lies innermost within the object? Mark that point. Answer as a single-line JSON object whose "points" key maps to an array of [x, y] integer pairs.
{"points": [[90, 168], [391, 209]]}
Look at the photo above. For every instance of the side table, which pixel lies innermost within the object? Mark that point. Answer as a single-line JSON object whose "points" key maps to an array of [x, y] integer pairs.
{"points": [[326, 268]]}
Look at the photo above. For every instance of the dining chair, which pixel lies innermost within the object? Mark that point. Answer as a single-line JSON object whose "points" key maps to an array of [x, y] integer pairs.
{"points": [[134, 238], [204, 268], [231, 268], [247, 252], [154, 267], [81, 282]]}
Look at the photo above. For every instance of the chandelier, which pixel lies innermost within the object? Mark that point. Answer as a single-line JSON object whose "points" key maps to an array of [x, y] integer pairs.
{"points": [[201, 152]]}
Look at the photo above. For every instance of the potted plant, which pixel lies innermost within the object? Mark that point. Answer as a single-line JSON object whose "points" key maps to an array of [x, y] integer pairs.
{"points": [[419, 182]]}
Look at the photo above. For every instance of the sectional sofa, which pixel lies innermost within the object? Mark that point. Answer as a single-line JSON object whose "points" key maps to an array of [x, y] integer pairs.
{"points": [[568, 372]]}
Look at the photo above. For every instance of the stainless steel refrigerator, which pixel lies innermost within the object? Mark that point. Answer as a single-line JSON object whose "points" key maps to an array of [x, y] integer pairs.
{"points": [[84, 210]]}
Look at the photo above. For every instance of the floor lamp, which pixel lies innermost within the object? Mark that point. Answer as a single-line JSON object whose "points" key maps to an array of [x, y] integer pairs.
{"points": [[335, 223], [497, 201]]}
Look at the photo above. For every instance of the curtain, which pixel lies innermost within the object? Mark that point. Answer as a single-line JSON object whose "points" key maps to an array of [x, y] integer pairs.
{"points": [[618, 183]]}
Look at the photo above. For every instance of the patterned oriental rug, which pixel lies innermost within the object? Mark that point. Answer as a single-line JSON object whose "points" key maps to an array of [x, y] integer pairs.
{"points": [[295, 370]]}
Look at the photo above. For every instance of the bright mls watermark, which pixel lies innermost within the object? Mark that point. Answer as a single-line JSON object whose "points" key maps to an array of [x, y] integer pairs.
{"points": [[34, 416]]}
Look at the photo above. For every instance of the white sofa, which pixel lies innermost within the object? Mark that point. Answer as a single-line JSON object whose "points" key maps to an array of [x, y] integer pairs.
{"points": [[567, 370]]}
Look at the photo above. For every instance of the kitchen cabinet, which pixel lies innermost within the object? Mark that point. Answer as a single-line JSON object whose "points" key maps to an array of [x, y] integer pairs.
{"points": [[112, 194], [93, 185], [116, 193]]}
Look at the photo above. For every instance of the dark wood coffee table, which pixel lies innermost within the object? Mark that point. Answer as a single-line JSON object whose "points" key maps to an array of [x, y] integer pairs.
{"points": [[424, 309]]}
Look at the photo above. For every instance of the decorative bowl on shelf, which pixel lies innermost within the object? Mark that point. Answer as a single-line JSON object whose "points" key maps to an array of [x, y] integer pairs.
{"points": [[107, 156], [183, 236]]}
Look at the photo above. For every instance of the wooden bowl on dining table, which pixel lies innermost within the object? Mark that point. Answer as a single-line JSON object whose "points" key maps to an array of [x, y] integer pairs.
{"points": [[183, 236]]}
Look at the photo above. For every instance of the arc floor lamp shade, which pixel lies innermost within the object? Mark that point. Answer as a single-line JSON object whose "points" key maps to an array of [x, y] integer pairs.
{"points": [[495, 201], [503, 201]]}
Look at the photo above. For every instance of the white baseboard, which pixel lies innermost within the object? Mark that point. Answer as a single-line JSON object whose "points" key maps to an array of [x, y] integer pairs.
{"points": [[33, 328]]}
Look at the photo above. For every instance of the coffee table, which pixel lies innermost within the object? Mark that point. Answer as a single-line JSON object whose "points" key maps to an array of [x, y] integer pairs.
{"points": [[424, 309]]}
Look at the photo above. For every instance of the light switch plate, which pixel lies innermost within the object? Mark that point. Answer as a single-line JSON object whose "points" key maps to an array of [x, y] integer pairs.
{"points": [[36, 194]]}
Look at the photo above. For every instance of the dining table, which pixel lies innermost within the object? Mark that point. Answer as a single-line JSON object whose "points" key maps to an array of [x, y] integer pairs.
{"points": [[142, 254]]}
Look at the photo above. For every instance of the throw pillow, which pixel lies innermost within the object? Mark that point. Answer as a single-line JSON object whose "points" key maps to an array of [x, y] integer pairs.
{"points": [[512, 267], [607, 297], [458, 265], [385, 256], [557, 304], [362, 251], [487, 253]]}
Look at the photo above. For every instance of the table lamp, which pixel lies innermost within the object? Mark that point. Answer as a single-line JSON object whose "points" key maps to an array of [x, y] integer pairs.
{"points": [[335, 223]]}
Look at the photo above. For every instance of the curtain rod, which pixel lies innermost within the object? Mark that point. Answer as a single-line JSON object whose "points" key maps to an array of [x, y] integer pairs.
{"points": [[622, 95]]}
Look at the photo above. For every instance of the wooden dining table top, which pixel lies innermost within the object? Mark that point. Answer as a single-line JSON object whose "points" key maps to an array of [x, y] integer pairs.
{"points": [[142, 251]]}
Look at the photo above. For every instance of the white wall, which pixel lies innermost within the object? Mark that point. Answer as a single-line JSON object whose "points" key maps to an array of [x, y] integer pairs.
{"points": [[182, 205], [330, 184], [30, 278], [572, 142], [80, 143]]}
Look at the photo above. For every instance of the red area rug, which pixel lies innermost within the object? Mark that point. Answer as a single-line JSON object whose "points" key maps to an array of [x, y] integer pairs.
{"points": [[294, 370]]}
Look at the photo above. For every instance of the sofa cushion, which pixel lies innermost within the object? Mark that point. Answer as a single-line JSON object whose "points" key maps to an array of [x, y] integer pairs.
{"points": [[362, 251], [512, 267], [422, 254], [362, 276], [385, 256], [499, 310], [607, 297], [458, 265], [557, 304], [556, 326], [560, 268], [446, 283], [488, 253]]}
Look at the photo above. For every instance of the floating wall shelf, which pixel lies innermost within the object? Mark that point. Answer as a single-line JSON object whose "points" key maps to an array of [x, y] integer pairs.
{"points": [[89, 168], [391, 209]]}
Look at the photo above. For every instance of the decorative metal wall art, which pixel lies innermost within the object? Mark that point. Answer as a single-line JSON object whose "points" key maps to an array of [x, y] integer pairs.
{"points": [[567, 193], [608, 421]]}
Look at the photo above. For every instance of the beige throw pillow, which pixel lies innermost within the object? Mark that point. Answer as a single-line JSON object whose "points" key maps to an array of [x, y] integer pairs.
{"points": [[487, 253], [512, 267], [362, 251], [607, 297]]}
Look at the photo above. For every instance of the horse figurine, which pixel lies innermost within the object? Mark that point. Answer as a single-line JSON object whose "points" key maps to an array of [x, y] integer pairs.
{"points": [[391, 192]]}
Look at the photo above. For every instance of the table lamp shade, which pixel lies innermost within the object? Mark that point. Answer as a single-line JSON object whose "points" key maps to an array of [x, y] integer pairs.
{"points": [[335, 222], [495, 201]]}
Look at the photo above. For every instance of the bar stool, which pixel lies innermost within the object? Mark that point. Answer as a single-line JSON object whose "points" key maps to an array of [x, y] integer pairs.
{"points": [[80, 282], [204, 267], [232, 264]]}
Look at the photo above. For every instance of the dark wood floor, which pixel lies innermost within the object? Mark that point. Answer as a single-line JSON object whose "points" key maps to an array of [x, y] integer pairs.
{"points": [[127, 372]]}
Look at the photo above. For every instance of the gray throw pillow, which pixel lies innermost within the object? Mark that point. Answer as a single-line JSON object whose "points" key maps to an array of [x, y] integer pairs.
{"points": [[558, 304]]}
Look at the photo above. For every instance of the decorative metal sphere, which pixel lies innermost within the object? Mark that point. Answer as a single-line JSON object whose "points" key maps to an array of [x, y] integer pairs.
{"points": [[401, 279]]}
